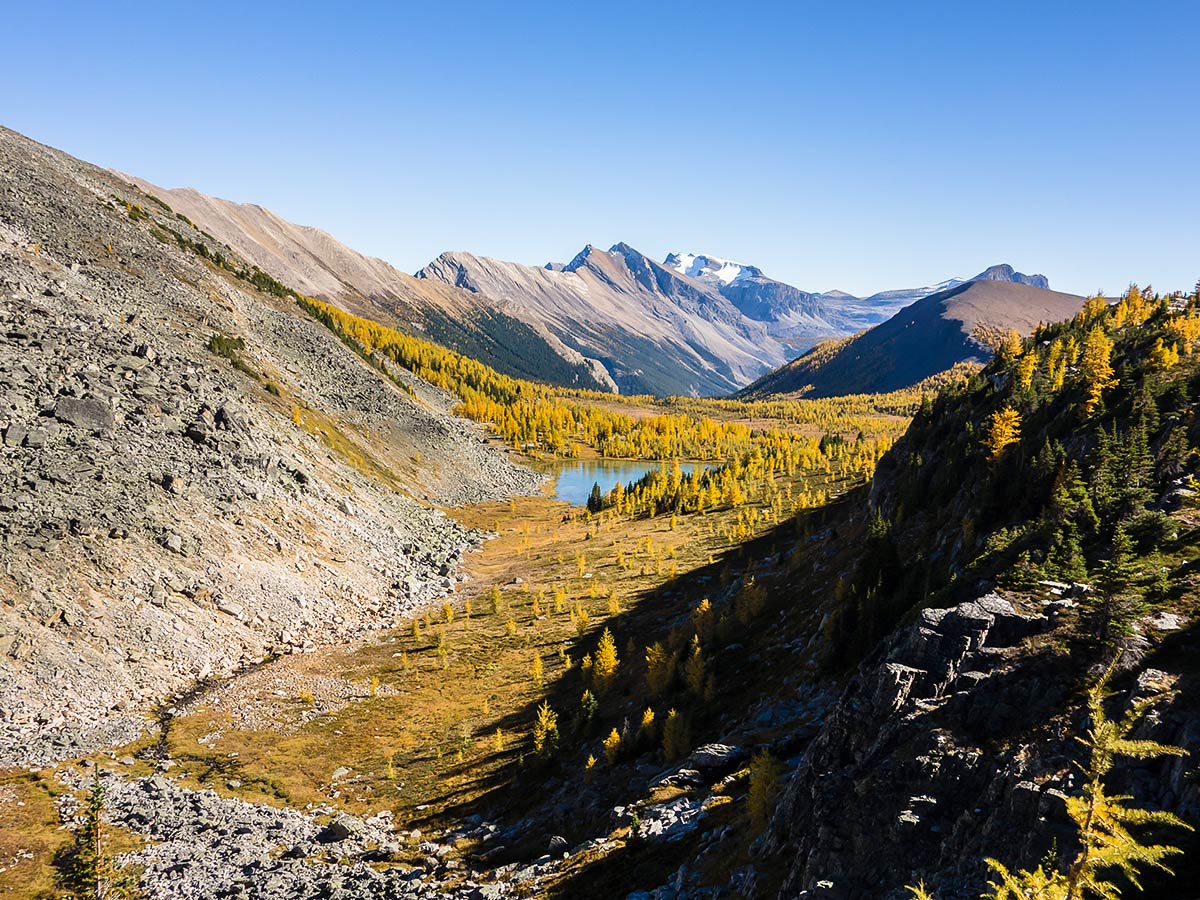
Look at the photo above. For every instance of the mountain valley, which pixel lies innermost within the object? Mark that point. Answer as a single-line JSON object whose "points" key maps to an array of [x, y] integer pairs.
{"points": [[287, 608]]}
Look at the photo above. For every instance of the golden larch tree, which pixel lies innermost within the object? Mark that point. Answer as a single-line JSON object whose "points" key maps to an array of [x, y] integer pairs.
{"points": [[1095, 366], [605, 663], [1003, 430]]}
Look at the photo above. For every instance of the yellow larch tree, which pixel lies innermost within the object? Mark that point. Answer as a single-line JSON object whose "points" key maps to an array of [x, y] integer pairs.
{"points": [[605, 662], [1003, 430], [1095, 366]]}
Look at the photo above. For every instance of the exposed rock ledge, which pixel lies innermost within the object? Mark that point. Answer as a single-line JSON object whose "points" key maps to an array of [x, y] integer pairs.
{"points": [[949, 745]]}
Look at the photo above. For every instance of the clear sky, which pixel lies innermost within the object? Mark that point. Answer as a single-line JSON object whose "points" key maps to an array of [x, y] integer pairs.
{"points": [[858, 146]]}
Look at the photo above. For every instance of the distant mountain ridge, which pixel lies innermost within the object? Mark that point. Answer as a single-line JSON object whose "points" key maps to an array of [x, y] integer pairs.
{"points": [[616, 319], [925, 338], [653, 329]]}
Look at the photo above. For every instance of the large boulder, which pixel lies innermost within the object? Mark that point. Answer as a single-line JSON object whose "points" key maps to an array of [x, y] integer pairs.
{"points": [[90, 414]]}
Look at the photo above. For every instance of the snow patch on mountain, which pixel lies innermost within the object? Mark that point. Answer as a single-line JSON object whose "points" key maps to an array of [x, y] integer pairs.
{"points": [[709, 269]]}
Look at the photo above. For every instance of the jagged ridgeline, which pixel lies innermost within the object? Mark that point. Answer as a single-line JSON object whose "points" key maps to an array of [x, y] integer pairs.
{"points": [[1058, 461]]}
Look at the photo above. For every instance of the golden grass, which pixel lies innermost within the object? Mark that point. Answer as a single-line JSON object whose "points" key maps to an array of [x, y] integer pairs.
{"points": [[443, 696], [332, 436], [30, 836]]}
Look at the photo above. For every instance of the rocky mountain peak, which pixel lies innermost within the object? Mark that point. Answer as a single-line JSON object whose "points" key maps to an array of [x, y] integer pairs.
{"points": [[1005, 272], [580, 259], [710, 269]]}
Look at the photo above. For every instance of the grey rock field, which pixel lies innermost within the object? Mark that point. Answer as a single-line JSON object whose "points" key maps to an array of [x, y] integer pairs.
{"points": [[168, 513]]}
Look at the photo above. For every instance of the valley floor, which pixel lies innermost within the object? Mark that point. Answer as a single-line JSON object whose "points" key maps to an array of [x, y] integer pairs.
{"points": [[430, 724]]}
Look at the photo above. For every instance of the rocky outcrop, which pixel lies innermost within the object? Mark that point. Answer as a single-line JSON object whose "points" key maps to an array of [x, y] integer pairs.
{"points": [[1005, 272], [952, 743]]}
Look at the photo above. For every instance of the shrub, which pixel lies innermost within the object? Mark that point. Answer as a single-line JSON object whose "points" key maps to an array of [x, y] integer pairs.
{"points": [[660, 669], [675, 735], [751, 601], [645, 732], [694, 672], [703, 620], [588, 705]]}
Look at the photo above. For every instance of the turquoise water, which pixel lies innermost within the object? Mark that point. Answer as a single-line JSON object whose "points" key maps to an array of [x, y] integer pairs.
{"points": [[576, 477]]}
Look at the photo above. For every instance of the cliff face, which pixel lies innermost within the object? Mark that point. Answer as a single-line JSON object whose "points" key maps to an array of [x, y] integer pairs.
{"points": [[954, 743]]}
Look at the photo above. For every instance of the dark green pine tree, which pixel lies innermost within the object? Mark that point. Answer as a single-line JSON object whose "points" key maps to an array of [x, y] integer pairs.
{"points": [[1175, 452], [595, 501], [1122, 474], [1065, 560], [1137, 467], [1117, 601], [1071, 502], [1102, 476]]}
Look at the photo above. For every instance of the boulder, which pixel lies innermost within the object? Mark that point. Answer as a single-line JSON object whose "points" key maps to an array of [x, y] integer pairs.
{"points": [[94, 415], [342, 828], [714, 757]]}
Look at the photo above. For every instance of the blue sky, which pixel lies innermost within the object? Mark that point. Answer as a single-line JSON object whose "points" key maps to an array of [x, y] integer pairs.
{"points": [[858, 146]]}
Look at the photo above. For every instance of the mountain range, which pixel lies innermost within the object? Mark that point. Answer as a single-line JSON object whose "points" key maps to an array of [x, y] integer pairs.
{"points": [[612, 320]]}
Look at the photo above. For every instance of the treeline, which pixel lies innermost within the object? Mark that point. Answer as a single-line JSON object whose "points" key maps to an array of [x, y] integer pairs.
{"points": [[763, 474], [537, 418]]}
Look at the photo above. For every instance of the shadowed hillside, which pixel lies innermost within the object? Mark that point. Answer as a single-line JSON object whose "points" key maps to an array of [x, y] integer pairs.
{"points": [[930, 336]]}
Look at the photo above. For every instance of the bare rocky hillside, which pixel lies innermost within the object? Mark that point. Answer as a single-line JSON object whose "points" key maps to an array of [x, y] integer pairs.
{"points": [[316, 263], [193, 474]]}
